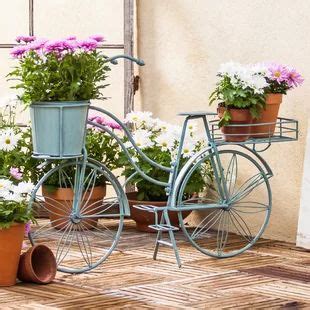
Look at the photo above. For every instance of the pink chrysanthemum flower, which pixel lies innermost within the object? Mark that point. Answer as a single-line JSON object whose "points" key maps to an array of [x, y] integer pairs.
{"points": [[97, 37], [58, 46], [15, 173], [277, 73], [294, 79], [114, 125], [19, 51], [25, 39], [27, 228], [102, 121], [37, 44], [88, 44]]}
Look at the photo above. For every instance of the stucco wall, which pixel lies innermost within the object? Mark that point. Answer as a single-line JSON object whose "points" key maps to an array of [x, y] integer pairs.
{"points": [[183, 42]]}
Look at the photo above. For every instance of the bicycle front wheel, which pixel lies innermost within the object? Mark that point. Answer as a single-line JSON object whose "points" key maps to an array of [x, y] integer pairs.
{"points": [[231, 223], [82, 227]]}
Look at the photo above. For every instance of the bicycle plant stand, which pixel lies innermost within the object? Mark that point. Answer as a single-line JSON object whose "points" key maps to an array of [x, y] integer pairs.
{"points": [[233, 212]]}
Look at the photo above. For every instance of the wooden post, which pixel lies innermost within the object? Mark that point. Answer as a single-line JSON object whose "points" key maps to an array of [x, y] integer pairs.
{"points": [[128, 50]]}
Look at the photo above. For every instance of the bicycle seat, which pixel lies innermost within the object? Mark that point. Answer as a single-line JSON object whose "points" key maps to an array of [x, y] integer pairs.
{"points": [[197, 113]]}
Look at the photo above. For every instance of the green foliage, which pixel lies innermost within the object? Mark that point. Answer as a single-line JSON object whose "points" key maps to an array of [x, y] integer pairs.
{"points": [[74, 77], [101, 147], [274, 87], [234, 96], [11, 212], [148, 191]]}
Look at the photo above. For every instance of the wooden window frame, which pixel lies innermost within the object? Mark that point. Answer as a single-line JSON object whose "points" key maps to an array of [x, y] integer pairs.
{"points": [[127, 46]]}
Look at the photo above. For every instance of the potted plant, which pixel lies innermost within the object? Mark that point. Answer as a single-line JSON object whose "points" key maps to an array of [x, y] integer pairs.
{"points": [[57, 79], [13, 217], [101, 147], [280, 79], [241, 97], [159, 141]]}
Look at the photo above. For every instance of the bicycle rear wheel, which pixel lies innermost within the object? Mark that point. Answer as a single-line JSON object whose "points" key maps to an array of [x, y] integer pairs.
{"points": [[236, 222], [81, 237]]}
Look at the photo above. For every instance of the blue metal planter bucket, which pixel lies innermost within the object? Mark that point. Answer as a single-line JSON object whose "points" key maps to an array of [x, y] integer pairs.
{"points": [[58, 128]]}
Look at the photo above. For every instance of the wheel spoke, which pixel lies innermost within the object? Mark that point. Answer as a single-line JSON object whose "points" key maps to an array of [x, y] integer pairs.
{"points": [[250, 207], [248, 186], [222, 233], [52, 230], [101, 207], [210, 220], [232, 174], [61, 244], [84, 246], [241, 226]]}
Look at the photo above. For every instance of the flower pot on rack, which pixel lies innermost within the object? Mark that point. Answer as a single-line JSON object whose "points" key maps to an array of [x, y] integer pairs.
{"points": [[268, 116], [37, 265], [59, 201], [58, 128], [144, 218], [239, 117], [11, 240]]}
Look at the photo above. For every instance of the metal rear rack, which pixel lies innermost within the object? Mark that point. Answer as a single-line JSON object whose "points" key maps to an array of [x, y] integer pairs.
{"points": [[285, 130]]}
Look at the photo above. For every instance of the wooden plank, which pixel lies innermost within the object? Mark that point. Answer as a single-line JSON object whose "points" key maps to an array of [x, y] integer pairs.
{"points": [[258, 279]]}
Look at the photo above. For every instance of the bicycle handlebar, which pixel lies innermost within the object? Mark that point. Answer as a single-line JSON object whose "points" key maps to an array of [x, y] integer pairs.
{"points": [[113, 60]]}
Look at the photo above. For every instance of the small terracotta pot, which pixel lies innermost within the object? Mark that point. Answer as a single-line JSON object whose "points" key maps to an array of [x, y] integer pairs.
{"points": [[59, 203], [11, 240], [37, 265], [238, 117], [143, 218], [268, 115]]}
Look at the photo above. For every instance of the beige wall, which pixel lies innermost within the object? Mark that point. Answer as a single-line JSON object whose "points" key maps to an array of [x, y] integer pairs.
{"points": [[183, 43]]}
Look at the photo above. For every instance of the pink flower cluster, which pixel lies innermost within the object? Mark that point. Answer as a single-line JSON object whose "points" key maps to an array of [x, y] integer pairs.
{"points": [[281, 73], [102, 121], [16, 173], [59, 47]]}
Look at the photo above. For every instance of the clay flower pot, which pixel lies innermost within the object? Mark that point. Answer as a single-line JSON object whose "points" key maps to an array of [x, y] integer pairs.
{"points": [[238, 117], [268, 115], [11, 240], [59, 203], [143, 218], [37, 265]]}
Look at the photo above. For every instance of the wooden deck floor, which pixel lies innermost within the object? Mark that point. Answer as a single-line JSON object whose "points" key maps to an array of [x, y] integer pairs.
{"points": [[272, 275]]}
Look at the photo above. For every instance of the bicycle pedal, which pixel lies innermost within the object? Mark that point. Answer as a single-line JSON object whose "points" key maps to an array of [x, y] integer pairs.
{"points": [[149, 208], [163, 227]]}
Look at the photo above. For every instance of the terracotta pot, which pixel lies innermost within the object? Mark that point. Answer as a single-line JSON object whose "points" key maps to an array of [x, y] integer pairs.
{"points": [[268, 115], [238, 117], [59, 203], [143, 218], [37, 265], [11, 240]]}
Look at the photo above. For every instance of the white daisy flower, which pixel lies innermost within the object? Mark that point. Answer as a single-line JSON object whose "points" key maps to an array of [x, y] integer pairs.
{"points": [[138, 118], [192, 127], [24, 188], [11, 196], [189, 147], [166, 141], [8, 140], [142, 138], [5, 185]]}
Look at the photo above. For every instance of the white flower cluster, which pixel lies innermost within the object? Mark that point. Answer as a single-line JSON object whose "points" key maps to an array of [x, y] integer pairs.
{"points": [[8, 139], [15, 193], [252, 76], [153, 132]]}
